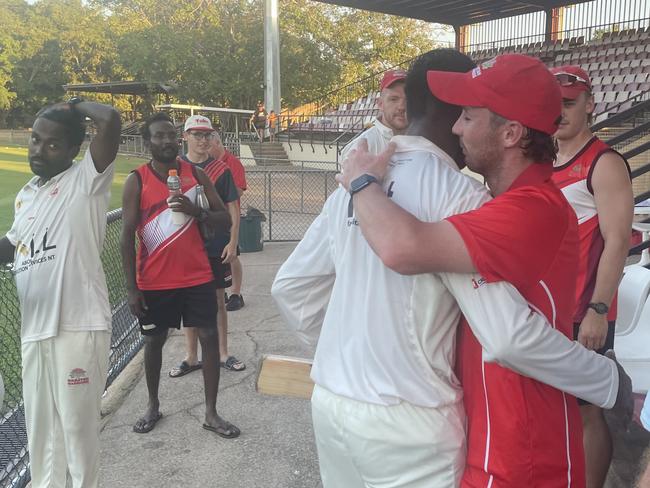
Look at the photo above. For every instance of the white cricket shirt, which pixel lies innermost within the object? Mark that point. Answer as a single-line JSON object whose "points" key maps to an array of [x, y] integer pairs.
{"points": [[58, 231], [378, 137], [385, 338]]}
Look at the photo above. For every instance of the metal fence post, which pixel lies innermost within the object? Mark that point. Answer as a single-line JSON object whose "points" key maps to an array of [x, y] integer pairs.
{"points": [[269, 174]]}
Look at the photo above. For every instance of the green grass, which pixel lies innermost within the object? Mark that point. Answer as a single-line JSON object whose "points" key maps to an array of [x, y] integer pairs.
{"points": [[15, 172]]}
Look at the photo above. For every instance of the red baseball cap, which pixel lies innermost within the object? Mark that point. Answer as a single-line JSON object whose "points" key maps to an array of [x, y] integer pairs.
{"points": [[391, 77], [575, 81], [513, 86]]}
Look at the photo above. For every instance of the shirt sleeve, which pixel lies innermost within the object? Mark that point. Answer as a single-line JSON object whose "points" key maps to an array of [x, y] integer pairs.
{"points": [[90, 181], [514, 237], [12, 234], [238, 171], [304, 283], [225, 186], [520, 339]]}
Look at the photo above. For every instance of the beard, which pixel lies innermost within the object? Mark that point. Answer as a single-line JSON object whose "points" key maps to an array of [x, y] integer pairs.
{"points": [[166, 154]]}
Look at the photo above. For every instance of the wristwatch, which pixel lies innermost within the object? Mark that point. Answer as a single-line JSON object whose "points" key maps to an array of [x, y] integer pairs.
{"points": [[358, 184], [600, 308]]}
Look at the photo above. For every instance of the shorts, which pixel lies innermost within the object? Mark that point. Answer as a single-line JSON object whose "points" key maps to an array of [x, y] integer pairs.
{"points": [[196, 306], [222, 273], [609, 344]]}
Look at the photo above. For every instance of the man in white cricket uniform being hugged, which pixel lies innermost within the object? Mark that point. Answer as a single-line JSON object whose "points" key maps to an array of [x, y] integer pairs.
{"points": [[387, 407], [55, 242]]}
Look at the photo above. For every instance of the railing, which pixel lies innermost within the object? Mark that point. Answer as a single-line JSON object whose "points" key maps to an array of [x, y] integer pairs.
{"points": [[125, 343]]}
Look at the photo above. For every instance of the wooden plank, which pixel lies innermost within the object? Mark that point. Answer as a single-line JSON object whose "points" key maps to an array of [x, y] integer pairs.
{"points": [[284, 376]]}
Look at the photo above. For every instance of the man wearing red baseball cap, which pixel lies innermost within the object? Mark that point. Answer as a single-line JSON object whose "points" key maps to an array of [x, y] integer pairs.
{"points": [[595, 180], [386, 406], [520, 432], [392, 117]]}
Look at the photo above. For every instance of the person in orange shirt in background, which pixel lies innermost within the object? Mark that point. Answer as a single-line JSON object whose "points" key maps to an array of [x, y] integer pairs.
{"points": [[273, 125]]}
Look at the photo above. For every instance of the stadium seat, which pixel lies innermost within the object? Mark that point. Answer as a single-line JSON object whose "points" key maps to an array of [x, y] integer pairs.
{"points": [[632, 295], [633, 353]]}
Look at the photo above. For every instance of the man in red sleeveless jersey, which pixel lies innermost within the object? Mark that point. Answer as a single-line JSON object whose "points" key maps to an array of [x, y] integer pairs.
{"points": [[173, 280], [596, 181], [221, 249]]}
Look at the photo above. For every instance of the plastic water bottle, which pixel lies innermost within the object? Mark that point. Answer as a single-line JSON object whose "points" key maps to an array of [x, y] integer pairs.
{"points": [[174, 185], [202, 202]]}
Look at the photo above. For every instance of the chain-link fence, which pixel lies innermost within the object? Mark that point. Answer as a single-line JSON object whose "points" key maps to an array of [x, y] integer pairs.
{"points": [[125, 343], [290, 200]]}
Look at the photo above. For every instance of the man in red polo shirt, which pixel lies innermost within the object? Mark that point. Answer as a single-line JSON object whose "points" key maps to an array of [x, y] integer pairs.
{"points": [[595, 180], [218, 151], [521, 432]]}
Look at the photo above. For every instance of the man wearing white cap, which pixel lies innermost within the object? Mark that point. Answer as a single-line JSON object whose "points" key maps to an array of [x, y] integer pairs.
{"points": [[198, 134], [392, 117]]}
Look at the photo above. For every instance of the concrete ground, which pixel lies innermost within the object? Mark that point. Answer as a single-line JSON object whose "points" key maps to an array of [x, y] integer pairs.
{"points": [[276, 448]]}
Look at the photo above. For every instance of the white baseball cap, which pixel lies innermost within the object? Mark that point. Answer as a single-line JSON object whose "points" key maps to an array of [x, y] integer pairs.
{"points": [[198, 122]]}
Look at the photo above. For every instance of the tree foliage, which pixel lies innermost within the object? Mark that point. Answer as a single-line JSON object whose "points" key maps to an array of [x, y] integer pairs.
{"points": [[211, 51]]}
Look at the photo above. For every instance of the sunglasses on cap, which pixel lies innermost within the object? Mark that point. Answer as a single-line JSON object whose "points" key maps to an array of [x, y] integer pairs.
{"points": [[569, 79]]}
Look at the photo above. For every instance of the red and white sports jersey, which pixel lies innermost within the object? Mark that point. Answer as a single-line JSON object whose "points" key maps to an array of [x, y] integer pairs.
{"points": [[574, 179], [169, 256], [522, 433]]}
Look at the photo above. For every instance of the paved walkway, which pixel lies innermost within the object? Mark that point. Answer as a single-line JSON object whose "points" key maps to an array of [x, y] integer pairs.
{"points": [[276, 448]]}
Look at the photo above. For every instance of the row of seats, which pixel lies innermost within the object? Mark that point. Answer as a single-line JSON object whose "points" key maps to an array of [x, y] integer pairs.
{"points": [[618, 63]]}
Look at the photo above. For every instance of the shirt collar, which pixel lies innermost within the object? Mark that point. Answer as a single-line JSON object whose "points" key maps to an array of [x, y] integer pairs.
{"points": [[419, 143], [383, 128], [535, 174]]}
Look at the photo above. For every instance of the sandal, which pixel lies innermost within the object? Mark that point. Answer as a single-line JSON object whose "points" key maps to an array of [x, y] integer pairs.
{"points": [[142, 426], [226, 430], [184, 368], [233, 364]]}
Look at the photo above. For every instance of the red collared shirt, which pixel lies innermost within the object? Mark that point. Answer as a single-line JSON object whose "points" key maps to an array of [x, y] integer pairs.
{"points": [[520, 431]]}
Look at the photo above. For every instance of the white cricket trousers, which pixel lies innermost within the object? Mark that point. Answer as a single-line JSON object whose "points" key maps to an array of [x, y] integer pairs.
{"points": [[363, 445], [63, 381]]}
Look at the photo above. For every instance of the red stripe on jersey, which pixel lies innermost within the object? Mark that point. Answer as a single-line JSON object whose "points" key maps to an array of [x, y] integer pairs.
{"points": [[522, 433]]}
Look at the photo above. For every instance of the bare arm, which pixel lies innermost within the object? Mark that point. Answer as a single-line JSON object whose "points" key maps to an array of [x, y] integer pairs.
{"points": [[230, 251], [7, 251], [130, 220], [104, 145], [401, 249], [615, 206]]}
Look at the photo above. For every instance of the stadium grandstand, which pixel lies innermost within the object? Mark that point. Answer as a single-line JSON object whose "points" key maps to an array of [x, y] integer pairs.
{"points": [[610, 39]]}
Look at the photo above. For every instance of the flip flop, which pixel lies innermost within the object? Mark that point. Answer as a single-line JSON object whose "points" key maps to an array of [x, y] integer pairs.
{"points": [[184, 368], [230, 431], [143, 426], [233, 364]]}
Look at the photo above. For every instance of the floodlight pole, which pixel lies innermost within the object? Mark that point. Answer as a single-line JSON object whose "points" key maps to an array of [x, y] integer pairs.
{"points": [[271, 57]]}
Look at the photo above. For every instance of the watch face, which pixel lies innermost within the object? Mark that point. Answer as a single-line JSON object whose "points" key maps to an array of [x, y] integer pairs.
{"points": [[599, 308]]}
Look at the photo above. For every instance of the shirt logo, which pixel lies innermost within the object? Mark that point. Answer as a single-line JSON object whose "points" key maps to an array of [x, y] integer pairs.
{"points": [[54, 192], [78, 376], [476, 284], [19, 203]]}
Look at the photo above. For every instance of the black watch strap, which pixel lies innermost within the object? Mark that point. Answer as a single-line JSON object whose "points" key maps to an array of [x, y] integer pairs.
{"points": [[361, 182], [600, 308]]}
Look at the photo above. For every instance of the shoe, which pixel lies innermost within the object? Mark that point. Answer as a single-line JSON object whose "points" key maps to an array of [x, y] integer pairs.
{"points": [[235, 303]]}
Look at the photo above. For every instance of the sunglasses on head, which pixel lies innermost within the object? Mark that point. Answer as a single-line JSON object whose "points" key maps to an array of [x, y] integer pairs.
{"points": [[569, 79]]}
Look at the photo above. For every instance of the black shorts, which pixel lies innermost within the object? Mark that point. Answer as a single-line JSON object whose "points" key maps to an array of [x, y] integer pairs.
{"points": [[196, 306], [609, 344], [222, 273]]}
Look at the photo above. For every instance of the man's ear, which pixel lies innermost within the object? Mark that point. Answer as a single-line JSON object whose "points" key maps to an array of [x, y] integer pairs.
{"points": [[512, 133]]}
